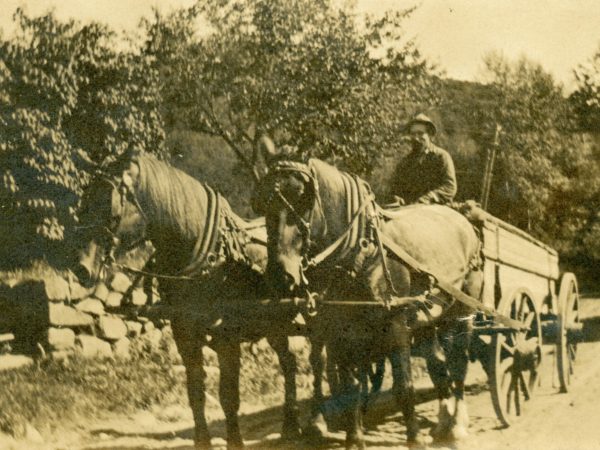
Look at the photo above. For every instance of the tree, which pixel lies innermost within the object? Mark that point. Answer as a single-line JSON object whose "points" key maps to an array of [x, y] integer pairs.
{"points": [[65, 91], [308, 73], [534, 119], [586, 98]]}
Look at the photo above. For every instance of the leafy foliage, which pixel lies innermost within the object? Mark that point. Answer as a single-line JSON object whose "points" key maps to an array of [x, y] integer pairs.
{"points": [[66, 94], [533, 117], [306, 73], [586, 98]]}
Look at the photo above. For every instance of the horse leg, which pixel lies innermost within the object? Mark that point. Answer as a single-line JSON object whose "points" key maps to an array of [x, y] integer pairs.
{"points": [[317, 426], [228, 352], [350, 393], [190, 346], [403, 387], [438, 372], [287, 361], [458, 360]]}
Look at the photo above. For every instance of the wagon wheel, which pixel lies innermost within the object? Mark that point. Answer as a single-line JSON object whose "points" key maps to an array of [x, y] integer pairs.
{"points": [[569, 326], [516, 359]]}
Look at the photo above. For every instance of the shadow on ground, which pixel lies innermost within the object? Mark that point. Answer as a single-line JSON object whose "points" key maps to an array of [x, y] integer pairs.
{"points": [[260, 429]]}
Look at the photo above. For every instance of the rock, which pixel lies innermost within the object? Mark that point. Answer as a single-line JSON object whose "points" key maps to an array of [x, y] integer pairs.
{"points": [[91, 306], [61, 338], [65, 316], [121, 348], [154, 297], [134, 329], [149, 326], [138, 297], [112, 328], [93, 347], [120, 282], [114, 299], [10, 362], [57, 289], [61, 355], [78, 291], [153, 337], [101, 292], [297, 344]]}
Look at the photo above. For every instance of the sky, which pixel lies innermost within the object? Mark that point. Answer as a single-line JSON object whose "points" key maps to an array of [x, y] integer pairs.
{"points": [[455, 34]]}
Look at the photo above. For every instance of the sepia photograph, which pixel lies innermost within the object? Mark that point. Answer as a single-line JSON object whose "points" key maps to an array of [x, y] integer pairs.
{"points": [[299, 224]]}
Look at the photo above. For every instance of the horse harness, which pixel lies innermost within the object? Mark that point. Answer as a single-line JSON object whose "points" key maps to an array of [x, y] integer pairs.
{"points": [[223, 239], [362, 240]]}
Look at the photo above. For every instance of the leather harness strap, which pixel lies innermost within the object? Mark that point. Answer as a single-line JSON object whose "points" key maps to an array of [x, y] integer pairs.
{"points": [[448, 287], [204, 249]]}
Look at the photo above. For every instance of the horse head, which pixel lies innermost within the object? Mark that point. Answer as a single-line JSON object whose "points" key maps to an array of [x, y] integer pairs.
{"points": [[288, 198], [110, 219]]}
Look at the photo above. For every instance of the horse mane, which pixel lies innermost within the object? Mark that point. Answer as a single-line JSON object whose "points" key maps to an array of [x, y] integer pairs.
{"points": [[328, 177], [175, 200], [333, 182]]}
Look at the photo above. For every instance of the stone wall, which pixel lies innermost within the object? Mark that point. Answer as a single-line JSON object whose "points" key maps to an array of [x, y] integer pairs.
{"points": [[58, 317]]}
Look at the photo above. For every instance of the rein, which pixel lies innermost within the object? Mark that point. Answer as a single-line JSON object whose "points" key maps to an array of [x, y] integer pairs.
{"points": [[219, 240], [353, 193]]}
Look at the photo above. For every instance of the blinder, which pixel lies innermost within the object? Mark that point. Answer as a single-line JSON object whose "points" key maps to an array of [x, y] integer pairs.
{"points": [[312, 191], [105, 230]]}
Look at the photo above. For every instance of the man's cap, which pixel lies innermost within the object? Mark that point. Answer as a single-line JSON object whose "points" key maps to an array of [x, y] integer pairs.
{"points": [[422, 118]]}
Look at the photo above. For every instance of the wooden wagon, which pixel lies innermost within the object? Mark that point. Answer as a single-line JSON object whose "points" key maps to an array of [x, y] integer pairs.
{"points": [[522, 281], [524, 302]]}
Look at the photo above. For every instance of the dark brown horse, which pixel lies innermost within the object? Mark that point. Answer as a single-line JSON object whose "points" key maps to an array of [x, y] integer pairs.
{"points": [[326, 234], [210, 264]]}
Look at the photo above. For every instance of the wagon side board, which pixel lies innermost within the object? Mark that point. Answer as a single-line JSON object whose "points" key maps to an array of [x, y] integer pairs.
{"points": [[513, 260]]}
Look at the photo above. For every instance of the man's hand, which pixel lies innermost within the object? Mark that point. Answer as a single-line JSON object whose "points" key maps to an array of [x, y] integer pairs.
{"points": [[399, 200]]}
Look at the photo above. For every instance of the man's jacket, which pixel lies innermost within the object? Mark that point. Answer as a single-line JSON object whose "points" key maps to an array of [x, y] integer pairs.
{"points": [[425, 177]]}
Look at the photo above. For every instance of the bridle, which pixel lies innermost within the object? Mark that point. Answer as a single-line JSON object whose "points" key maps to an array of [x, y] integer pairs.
{"points": [[305, 225], [126, 191]]}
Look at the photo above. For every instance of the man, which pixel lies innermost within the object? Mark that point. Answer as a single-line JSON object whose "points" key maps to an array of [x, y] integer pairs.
{"points": [[426, 174]]}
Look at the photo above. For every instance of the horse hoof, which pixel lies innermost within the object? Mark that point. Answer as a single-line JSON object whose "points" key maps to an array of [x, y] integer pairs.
{"points": [[316, 429], [416, 443], [356, 446], [458, 433], [202, 445], [445, 419], [235, 446], [291, 433]]}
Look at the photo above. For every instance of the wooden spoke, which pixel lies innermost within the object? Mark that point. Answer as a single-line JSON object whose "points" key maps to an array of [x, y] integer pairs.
{"points": [[512, 379], [529, 319], [524, 386], [508, 348]]}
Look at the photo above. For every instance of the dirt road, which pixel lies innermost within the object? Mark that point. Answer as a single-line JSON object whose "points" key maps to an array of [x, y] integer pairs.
{"points": [[551, 420]]}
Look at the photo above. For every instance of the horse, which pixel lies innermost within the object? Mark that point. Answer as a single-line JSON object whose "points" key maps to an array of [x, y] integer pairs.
{"points": [[327, 234], [210, 265]]}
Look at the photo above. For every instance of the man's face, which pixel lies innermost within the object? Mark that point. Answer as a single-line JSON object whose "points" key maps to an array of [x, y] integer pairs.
{"points": [[419, 136]]}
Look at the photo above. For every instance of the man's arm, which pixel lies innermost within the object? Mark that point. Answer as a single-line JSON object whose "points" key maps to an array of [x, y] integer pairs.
{"points": [[400, 181], [446, 190]]}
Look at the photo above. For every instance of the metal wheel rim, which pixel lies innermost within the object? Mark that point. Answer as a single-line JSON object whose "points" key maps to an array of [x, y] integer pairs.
{"points": [[569, 313]]}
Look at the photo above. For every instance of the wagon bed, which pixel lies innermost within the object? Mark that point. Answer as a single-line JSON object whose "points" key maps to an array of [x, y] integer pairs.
{"points": [[520, 279]]}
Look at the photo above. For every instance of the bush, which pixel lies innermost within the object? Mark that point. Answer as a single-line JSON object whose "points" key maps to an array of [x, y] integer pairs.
{"points": [[67, 96]]}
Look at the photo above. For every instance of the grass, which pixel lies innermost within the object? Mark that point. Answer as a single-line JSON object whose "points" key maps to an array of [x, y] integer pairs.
{"points": [[53, 396]]}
